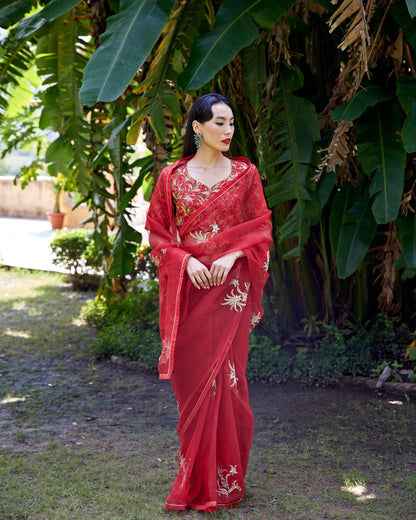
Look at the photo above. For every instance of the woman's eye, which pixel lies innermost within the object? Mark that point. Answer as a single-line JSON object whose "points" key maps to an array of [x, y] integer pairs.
{"points": [[219, 124]]}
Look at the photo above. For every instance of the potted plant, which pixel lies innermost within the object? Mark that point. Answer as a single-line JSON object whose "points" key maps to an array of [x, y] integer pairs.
{"points": [[56, 217]]}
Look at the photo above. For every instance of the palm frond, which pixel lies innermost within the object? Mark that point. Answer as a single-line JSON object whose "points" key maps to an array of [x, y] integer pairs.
{"points": [[62, 55], [15, 60]]}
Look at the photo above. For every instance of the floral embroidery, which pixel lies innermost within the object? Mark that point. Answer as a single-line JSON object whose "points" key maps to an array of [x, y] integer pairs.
{"points": [[214, 388], [223, 484], [237, 301], [254, 319], [166, 348], [199, 236], [267, 262], [183, 468], [188, 194], [202, 237], [156, 260], [233, 377]]}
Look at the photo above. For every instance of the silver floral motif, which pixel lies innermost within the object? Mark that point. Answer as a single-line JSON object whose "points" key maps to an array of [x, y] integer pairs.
{"points": [[223, 485], [254, 319], [214, 388], [166, 348], [267, 262], [200, 236], [233, 377], [239, 300], [183, 468]]}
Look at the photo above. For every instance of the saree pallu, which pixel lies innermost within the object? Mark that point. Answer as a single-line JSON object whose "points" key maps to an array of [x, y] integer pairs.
{"points": [[205, 332]]}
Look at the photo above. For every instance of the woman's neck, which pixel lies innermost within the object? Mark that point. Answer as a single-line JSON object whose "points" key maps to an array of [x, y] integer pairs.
{"points": [[208, 158]]}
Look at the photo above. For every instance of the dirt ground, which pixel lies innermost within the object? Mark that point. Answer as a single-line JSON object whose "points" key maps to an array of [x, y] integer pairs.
{"points": [[52, 390], [75, 400]]}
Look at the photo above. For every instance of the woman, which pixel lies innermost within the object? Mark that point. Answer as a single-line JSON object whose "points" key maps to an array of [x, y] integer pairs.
{"points": [[210, 233]]}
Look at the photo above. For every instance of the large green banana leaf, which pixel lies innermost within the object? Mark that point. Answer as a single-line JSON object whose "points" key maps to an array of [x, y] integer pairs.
{"points": [[368, 96], [254, 72], [292, 131], [14, 11], [351, 228], [126, 43], [160, 83], [233, 30], [406, 93], [382, 156], [51, 12]]}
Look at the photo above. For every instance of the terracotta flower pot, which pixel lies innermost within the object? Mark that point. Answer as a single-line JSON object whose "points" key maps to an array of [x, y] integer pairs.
{"points": [[56, 219]]}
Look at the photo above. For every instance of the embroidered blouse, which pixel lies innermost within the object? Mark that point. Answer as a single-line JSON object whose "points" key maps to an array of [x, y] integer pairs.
{"points": [[188, 194]]}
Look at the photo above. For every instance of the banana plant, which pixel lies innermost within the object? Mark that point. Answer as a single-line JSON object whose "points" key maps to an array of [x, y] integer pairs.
{"points": [[286, 152]]}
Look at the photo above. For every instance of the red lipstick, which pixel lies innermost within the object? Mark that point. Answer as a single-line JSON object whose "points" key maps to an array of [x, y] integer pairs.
{"points": [[226, 141]]}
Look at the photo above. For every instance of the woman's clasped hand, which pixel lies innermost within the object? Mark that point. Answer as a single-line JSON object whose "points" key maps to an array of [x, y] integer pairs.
{"points": [[204, 278]]}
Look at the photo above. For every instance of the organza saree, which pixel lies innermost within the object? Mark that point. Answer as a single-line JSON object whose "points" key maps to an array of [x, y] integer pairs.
{"points": [[205, 331]]}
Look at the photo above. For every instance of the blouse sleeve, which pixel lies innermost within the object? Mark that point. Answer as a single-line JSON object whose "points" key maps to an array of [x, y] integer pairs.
{"points": [[161, 225]]}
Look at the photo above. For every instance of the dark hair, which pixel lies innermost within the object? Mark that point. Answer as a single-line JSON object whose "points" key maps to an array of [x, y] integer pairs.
{"points": [[201, 111]]}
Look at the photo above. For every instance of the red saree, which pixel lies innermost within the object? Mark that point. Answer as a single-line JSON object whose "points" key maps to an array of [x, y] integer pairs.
{"points": [[205, 331]]}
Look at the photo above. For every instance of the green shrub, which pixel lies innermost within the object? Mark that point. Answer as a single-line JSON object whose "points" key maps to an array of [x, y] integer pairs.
{"points": [[140, 305], [267, 361], [386, 340], [75, 250], [324, 363], [359, 357], [130, 341], [127, 327]]}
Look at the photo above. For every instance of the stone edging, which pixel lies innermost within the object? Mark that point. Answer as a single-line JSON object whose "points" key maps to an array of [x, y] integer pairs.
{"points": [[389, 386]]}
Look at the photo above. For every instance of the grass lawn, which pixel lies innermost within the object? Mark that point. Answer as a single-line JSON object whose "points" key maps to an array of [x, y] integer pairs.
{"points": [[88, 440]]}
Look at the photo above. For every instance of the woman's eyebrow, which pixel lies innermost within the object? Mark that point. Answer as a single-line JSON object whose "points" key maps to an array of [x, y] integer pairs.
{"points": [[221, 117]]}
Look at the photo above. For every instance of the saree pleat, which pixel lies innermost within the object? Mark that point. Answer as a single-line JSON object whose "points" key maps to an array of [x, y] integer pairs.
{"points": [[205, 333]]}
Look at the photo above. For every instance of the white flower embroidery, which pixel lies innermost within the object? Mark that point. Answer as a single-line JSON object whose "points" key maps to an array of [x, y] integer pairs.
{"points": [[255, 318], [214, 388], [237, 301], [156, 260], [183, 468], [200, 236], [166, 348], [267, 262], [233, 377], [225, 487]]}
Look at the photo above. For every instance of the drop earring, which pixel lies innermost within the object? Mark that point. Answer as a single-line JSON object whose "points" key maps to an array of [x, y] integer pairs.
{"points": [[198, 140]]}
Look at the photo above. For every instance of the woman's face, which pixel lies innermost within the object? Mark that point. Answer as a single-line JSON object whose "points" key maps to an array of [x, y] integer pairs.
{"points": [[218, 131]]}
